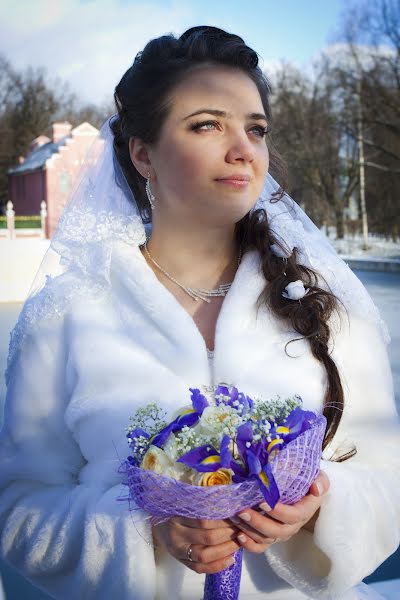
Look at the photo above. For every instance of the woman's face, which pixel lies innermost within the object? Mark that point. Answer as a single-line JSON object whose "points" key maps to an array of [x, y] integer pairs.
{"points": [[196, 152]]}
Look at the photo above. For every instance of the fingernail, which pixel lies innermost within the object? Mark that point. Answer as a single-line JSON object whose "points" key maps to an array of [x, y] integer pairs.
{"points": [[229, 562], [242, 538], [235, 520], [320, 488], [265, 506], [245, 517]]}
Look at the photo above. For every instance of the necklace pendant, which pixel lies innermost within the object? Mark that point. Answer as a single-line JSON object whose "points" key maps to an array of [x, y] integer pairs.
{"points": [[206, 295], [196, 294]]}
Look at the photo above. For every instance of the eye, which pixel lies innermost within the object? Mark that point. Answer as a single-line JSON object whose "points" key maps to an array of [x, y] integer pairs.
{"points": [[262, 131], [202, 124]]}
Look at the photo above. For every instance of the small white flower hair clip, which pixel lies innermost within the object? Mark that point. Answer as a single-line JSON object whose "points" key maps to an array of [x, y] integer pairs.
{"points": [[280, 252], [295, 290]]}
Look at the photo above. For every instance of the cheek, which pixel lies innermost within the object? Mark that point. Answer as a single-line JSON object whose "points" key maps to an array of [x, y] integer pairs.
{"points": [[180, 162]]}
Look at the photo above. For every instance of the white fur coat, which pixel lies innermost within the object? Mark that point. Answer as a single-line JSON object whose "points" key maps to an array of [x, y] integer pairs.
{"points": [[79, 376]]}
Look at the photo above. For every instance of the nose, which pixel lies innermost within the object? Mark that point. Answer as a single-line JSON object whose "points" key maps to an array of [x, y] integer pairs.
{"points": [[240, 149]]}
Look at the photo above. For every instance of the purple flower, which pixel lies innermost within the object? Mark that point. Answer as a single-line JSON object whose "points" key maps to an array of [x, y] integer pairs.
{"points": [[199, 401], [136, 433], [227, 460], [263, 475], [189, 419], [234, 398], [244, 439], [297, 422], [203, 459]]}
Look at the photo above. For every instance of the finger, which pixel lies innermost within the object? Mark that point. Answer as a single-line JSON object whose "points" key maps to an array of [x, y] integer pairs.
{"points": [[320, 485], [259, 538], [206, 537], [210, 554], [255, 547], [260, 527], [299, 512], [210, 568], [203, 523]]}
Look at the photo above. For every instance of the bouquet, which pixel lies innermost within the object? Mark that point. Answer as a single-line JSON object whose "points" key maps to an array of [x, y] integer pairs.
{"points": [[221, 453]]}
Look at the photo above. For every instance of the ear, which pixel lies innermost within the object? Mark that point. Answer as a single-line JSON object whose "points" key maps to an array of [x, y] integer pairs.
{"points": [[138, 152]]}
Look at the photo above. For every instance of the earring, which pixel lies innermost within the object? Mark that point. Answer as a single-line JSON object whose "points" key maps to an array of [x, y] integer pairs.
{"points": [[149, 193]]}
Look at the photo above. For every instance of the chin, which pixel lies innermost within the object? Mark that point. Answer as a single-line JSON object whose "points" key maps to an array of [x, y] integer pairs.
{"points": [[230, 217]]}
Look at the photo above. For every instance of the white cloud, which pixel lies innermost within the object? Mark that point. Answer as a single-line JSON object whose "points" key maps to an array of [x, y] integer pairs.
{"points": [[361, 55], [90, 44]]}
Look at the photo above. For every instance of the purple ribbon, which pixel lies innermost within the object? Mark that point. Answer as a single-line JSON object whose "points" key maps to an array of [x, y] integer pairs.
{"points": [[225, 585]]}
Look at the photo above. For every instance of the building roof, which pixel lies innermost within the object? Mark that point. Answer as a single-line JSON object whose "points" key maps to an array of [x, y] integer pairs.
{"points": [[37, 158]]}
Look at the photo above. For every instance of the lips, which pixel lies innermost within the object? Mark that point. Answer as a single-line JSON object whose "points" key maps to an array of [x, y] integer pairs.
{"points": [[235, 181], [235, 178]]}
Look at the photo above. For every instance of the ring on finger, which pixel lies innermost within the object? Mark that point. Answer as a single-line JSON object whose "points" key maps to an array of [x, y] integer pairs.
{"points": [[189, 553]]}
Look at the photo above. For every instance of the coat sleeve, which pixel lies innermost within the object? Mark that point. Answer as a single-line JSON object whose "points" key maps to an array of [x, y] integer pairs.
{"points": [[71, 539], [359, 521]]}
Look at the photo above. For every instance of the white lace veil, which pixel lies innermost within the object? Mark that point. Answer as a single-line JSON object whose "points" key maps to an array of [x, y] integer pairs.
{"points": [[102, 209]]}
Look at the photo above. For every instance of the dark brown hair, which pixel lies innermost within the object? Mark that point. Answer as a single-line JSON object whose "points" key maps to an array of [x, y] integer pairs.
{"points": [[142, 101]]}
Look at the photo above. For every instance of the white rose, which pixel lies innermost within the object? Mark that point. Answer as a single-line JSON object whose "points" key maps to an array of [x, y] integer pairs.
{"points": [[215, 418], [156, 460], [295, 290], [180, 472]]}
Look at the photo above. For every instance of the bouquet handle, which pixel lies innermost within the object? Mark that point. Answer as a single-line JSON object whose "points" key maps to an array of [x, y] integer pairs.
{"points": [[225, 585]]}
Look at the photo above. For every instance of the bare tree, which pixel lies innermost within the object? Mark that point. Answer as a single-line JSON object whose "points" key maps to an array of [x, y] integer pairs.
{"points": [[310, 132], [371, 32]]}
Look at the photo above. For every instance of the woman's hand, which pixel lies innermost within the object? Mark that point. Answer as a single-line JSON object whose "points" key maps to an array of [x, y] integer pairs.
{"points": [[259, 531], [212, 543]]}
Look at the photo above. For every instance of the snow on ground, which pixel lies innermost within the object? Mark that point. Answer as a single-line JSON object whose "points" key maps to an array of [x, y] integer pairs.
{"points": [[378, 246]]}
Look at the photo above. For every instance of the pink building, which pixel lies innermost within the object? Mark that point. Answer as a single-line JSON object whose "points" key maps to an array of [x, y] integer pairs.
{"points": [[48, 171]]}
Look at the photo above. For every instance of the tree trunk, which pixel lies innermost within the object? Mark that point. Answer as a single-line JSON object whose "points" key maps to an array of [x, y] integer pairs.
{"points": [[339, 224]]}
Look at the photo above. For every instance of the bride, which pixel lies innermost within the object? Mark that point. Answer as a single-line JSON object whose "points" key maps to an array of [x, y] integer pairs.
{"points": [[180, 262]]}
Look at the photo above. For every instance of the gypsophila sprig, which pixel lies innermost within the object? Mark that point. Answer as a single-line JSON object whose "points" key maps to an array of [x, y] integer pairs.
{"points": [[150, 418], [275, 410]]}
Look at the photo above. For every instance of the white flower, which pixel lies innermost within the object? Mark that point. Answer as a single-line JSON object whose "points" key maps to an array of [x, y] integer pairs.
{"points": [[171, 447], [295, 290], [180, 472], [215, 418], [278, 251], [156, 460]]}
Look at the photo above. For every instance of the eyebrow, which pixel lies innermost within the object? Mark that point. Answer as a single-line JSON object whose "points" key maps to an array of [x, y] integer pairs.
{"points": [[222, 113]]}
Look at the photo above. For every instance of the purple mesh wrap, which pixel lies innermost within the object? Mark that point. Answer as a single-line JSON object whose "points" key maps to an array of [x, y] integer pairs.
{"points": [[294, 468]]}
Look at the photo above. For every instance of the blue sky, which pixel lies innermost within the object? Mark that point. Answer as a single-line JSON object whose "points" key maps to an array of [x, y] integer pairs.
{"points": [[91, 43]]}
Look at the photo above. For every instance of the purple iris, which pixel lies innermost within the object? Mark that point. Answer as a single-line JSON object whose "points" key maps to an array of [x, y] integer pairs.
{"points": [[199, 401], [190, 418], [254, 455], [135, 434], [263, 475], [227, 460], [234, 398], [297, 422], [133, 437], [203, 459]]}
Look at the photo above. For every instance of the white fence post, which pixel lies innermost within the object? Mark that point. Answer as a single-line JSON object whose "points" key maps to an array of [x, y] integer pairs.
{"points": [[10, 214], [43, 217]]}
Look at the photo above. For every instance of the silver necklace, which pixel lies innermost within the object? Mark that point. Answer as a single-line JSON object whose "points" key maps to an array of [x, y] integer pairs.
{"points": [[195, 293]]}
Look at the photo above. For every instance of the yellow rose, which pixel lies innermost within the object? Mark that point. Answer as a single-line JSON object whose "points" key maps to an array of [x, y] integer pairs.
{"points": [[220, 477]]}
